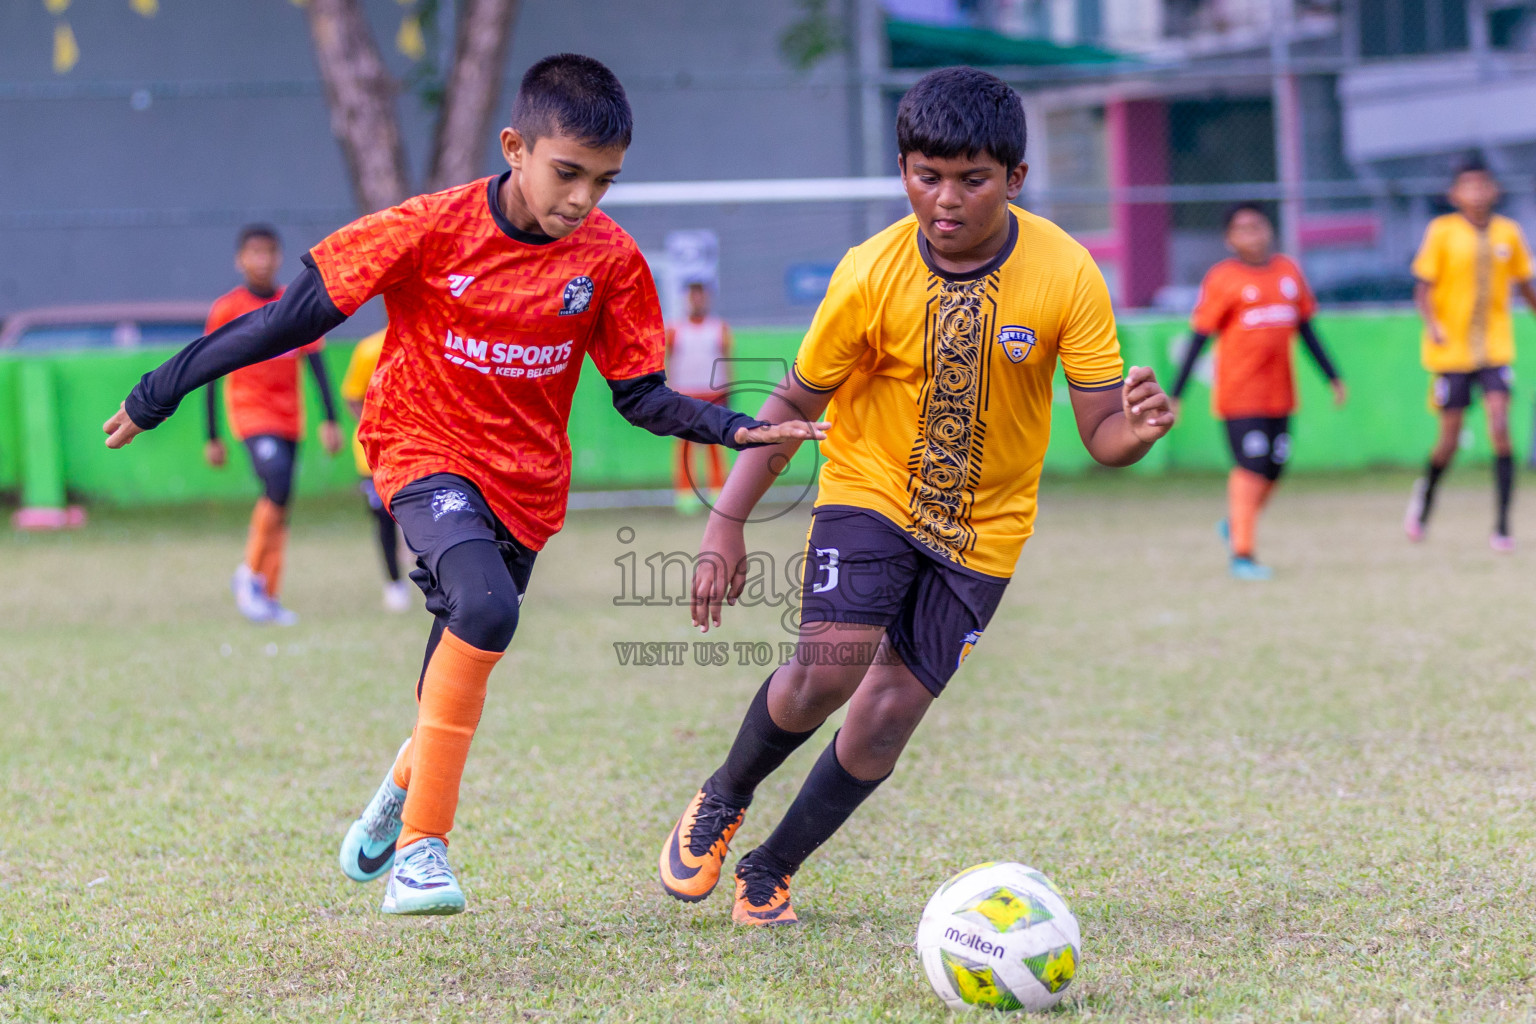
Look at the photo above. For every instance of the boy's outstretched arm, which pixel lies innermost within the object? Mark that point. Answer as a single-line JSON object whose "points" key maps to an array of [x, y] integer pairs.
{"points": [[330, 433], [1320, 357], [721, 570], [648, 403], [304, 313], [1118, 426]]}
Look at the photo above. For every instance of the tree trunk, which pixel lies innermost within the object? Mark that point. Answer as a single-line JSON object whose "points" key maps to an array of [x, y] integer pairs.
{"points": [[361, 95], [473, 90]]}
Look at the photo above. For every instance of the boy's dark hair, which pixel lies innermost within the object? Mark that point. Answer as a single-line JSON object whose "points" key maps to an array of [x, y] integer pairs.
{"points": [[569, 94], [251, 231], [962, 112], [1472, 163], [1244, 207]]}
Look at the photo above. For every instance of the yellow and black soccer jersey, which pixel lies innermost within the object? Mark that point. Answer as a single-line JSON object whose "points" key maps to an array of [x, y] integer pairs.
{"points": [[1469, 273], [942, 410]]}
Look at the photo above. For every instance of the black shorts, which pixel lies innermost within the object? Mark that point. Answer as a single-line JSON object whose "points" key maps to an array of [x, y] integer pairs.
{"points": [[1261, 444], [273, 459], [444, 510], [1454, 390], [862, 568]]}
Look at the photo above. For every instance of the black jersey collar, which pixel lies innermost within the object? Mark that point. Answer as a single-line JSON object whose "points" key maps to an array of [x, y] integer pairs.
{"points": [[990, 267], [512, 231]]}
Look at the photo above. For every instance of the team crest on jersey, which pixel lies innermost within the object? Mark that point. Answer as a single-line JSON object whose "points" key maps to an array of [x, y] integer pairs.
{"points": [[1289, 288], [1017, 342], [577, 296], [971, 640], [444, 502]]}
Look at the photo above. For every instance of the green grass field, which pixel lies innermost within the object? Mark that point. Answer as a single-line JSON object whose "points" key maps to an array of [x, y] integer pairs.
{"points": [[1306, 800]]}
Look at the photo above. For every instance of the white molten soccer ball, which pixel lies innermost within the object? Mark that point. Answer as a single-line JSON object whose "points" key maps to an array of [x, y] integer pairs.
{"points": [[1000, 936]]}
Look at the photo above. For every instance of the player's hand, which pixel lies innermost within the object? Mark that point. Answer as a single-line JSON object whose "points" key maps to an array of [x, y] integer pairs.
{"points": [[330, 437], [1340, 394], [789, 430], [1436, 335], [1148, 410], [215, 453], [1175, 405], [720, 573], [120, 429]]}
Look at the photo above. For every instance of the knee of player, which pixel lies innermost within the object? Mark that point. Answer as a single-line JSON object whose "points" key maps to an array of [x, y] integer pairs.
{"points": [[485, 618], [814, 689]]}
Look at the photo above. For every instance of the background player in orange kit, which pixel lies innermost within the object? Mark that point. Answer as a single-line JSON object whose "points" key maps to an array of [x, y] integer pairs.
{"points": [[1254, 304], [265, 405], [696, 347], [495, 291]]}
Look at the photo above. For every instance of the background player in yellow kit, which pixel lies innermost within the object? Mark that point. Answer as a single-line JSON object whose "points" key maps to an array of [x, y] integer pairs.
{"points": [[354, 388], [696, 348], [1465, 268], [936, 345]]}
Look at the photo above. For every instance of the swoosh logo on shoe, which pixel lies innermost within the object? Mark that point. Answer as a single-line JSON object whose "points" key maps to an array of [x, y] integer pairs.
{"points": [[368, 865], [419, 885], [675, 863], [768, 915]]}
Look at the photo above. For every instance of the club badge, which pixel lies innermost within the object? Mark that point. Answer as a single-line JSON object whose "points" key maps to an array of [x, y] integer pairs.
{"points": [[1017, 342], [577, 296]]}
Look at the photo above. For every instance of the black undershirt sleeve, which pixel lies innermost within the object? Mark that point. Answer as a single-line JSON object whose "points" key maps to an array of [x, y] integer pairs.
{"points": [[1315, 347], [647, 402], [323, 382], [211, 392], [304, 313], [1191, 357]]}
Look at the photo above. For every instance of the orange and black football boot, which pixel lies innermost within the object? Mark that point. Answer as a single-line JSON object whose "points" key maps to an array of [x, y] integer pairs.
{"points": [[762, 896], [690, 862]]}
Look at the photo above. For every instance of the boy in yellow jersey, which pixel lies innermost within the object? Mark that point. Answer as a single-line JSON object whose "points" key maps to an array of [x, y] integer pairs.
{"points": [[935, 346], [354, 388], [1465, 268]]}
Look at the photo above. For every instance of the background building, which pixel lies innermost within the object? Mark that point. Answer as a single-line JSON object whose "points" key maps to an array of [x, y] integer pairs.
{"points": [[127, 173]]}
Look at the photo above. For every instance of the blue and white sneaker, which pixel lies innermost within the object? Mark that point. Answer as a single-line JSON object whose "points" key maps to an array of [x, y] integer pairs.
{"points": [[250, 591], [1249, 570], [369, 847], [422, 882], [278, 615]]}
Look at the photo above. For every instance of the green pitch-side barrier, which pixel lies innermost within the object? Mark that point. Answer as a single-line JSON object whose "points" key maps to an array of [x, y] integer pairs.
{"points": [[52, 408]]}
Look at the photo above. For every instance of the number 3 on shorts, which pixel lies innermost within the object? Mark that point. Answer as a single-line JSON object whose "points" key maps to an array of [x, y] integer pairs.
{"points": [[828, 565]]}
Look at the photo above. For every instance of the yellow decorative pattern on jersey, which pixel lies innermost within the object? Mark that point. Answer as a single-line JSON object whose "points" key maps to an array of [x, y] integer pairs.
{"points": [[945, 459]]}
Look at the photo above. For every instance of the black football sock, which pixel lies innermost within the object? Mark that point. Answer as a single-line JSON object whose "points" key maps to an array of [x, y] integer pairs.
{"points": [[760, 747], [1432, 476], [826, 800], [1504, 481]]}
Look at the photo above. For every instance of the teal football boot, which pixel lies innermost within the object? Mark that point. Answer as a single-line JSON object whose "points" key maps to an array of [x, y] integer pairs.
{"points": [[368, 849], [422, 882]]}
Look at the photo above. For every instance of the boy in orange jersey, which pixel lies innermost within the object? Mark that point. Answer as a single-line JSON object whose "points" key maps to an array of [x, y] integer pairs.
{"points": [[696, 348], [1466, 266], [354, 388], [265, 405], [495, 291], [1254, 303], [935, 353]]}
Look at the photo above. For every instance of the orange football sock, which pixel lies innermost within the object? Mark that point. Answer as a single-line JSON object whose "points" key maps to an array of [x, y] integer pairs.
{"points": [[258, 539], [452, 697], [716, 467], [276, 555], [401, 772], [1247, 492]]}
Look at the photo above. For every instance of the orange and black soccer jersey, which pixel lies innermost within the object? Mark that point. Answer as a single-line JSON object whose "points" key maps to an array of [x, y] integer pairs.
{"points": [[1254, 313], [487, 328], [265, 398]]}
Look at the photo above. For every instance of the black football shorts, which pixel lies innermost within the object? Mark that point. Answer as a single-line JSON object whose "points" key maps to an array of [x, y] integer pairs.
{"points": [[1454, 390], [862, 568], [1260, 444]]}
